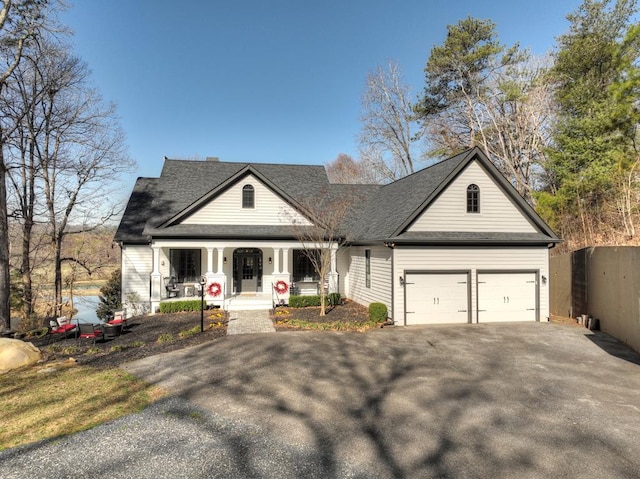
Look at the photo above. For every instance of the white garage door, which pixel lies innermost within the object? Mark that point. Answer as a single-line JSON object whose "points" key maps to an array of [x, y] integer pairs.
{"points": [[506, 297], [437, 298]]}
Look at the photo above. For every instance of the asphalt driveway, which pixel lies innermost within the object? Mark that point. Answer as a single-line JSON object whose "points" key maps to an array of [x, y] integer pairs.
{"points": [[533, 400]]}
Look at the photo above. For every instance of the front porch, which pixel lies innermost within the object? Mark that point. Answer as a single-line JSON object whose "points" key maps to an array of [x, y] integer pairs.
{"points": [[235, 302], [245, 275]]}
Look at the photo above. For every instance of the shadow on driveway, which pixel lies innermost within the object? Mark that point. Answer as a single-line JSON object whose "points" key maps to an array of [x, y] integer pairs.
{"points": [[614, 347], [514, 400], [506, 400]]}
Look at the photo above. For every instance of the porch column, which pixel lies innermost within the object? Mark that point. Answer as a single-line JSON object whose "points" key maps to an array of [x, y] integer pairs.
{"points": [[285, 260], [209, 261], [333, 274], [276, 260], [220, 260], [334, 261], [156, 260], [156, 279]]}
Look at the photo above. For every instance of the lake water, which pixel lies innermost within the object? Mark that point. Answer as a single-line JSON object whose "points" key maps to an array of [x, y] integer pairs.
{"points": [[86, 306]]}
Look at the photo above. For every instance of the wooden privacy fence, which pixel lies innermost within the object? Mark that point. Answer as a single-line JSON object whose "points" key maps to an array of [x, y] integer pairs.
{"points": [[602, 282]]}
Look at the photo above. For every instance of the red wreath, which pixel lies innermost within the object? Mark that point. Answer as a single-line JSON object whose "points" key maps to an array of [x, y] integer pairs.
{"points": [[214, 289], [281, 287]]}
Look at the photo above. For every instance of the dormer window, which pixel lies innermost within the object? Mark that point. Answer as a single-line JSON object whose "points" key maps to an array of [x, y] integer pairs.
{"points": [[473, 199], [248, 197]]}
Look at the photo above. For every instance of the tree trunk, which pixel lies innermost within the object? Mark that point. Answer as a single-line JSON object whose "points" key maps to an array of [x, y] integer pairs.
{"points": [[27, 308], [58, 274], [5, 279]]}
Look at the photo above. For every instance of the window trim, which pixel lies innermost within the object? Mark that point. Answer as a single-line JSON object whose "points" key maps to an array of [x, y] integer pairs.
{"points": [[248, 197], [473, 198]]}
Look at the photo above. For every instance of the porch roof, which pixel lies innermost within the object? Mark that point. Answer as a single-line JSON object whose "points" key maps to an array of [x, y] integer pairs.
{"points": [[471, 237], [223, 231]]}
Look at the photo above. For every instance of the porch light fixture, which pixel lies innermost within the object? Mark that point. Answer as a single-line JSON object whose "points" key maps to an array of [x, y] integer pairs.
{"points": [[269, 259], [203, 283], [401, 281], [544, 279], [224, 260]]}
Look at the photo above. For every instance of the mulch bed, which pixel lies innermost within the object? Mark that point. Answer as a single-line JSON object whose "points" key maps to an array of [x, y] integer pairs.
{"points": [[347, 312], [127, 347], [147, 329]]}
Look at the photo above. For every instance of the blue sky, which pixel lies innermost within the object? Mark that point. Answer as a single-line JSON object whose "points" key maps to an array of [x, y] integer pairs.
{"points": [[276, 81]]}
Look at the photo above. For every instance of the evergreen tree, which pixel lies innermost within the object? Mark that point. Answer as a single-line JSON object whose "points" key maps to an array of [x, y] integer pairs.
{"points": [[594, 154], [110, 297]]}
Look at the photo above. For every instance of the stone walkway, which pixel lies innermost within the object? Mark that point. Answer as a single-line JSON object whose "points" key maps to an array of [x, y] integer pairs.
{"points": [[249, 322]]}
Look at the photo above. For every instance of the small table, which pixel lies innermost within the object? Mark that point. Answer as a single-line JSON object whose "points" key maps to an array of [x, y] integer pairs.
{"points": [[112, 330]]}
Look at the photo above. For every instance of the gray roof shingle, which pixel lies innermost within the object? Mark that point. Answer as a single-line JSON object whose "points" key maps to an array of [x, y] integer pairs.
{"points": [[376, 212]]}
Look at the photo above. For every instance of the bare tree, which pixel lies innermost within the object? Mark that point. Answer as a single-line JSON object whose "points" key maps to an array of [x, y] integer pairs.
{"points": [[24, 90], [510, 118], [344, 169], [75, 149], [325, 231], [21, 23], [514, 124], [388, 133]]}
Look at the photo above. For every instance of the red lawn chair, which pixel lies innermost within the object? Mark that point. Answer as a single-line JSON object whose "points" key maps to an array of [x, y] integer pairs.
{"points": [[61, 326]]}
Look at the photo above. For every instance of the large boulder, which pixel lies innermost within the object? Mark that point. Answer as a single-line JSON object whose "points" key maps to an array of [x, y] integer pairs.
{"points": [[15, 354]]}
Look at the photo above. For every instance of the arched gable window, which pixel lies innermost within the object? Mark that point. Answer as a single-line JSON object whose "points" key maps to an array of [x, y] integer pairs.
{"points": [[473, 199], [248, 197]]}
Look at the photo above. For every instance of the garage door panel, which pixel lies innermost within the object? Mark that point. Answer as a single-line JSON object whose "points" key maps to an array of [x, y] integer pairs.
{"points": [[437, 298], [506, 297]]}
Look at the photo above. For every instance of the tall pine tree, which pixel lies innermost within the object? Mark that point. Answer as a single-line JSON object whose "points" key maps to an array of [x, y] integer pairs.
{"points": [[591, 166]]}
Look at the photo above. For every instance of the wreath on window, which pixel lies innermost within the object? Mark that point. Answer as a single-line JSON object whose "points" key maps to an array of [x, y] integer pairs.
{"points": [[214, 289], [281, 287]]}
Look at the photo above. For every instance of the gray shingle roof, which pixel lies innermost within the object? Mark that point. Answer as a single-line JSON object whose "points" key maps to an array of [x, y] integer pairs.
{"points": [[377, 212], [397, 201], [224, 231], [138, 209], [470, 237]]}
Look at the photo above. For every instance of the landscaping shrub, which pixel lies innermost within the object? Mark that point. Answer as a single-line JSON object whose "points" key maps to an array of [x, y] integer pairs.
{"points": [[377, 312], [304, 301], [179, 306], [334, 298]]}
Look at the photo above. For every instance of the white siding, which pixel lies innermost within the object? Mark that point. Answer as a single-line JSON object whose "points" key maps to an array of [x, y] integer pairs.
{"points": [[449, 211], [137, 264], [226, 209], [380, 289], [473, 259]]}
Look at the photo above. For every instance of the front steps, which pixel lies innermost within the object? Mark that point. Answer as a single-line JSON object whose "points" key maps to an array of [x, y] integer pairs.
{"points": [[241, 302]]}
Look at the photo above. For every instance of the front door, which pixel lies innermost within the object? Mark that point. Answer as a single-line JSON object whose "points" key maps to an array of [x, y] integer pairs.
{"points": [[247, 270], [249, 278]]}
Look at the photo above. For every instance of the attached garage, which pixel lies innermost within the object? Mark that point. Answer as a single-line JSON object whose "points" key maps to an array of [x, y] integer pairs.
{"points": [[508, 296], [434, 297]]}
